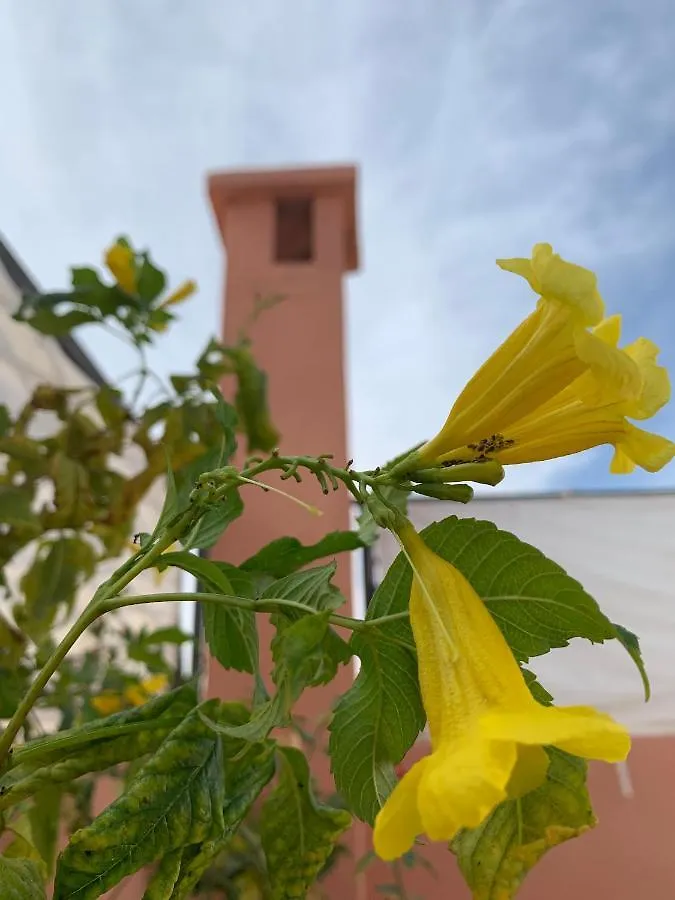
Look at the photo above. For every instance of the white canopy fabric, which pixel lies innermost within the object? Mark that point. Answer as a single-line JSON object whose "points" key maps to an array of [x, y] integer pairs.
{"points": [[621, 548]]}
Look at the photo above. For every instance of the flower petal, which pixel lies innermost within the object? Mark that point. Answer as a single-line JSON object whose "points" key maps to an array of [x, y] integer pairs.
{"points": [[462, 783], [552, 277], [578, 729], [643, 448], [398, 822], [529, 772], [655, 388]]}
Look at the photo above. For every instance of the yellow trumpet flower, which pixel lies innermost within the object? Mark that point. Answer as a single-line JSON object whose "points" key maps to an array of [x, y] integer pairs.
{"points": [[487, 731], [121, 262], [558, 385]]}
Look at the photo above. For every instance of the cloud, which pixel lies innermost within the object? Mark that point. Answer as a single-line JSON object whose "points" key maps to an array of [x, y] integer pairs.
{"points": [[481, 127]]}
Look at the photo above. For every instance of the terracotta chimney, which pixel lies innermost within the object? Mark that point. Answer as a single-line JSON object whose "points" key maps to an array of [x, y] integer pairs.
{"points": [[292, 233]]}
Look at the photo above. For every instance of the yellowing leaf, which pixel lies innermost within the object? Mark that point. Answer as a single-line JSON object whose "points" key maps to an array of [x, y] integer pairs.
{"points": [[496, 857], [298, 833]]}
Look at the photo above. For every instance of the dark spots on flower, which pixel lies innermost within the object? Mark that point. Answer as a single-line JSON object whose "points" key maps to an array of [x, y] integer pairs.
{"points": [[487, 446]]}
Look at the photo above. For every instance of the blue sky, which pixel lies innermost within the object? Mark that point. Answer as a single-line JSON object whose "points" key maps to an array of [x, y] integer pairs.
{"points": [[480, 127]]}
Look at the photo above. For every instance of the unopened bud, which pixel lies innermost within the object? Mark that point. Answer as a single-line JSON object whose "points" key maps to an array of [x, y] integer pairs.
{"points": [[487, 472], [460, 493]]}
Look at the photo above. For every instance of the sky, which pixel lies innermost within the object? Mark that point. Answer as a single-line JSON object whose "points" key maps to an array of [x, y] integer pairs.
{"points": [[479, 127]]}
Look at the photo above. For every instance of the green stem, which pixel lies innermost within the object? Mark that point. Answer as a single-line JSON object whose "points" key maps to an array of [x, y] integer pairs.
{"points": [[268, 605], [385, 620], [84, 621]]}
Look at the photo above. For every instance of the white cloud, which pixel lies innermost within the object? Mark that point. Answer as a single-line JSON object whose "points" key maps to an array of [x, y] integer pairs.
{"points": [[481, 127]]}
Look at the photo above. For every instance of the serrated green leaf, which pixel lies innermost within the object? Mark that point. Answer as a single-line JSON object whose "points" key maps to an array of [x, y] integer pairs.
{"points": [[213, 523], [231, 633], [175, 799], [306, 651], [496, 856], [536, 689], [631, 644], [536, 604], [311, 587], [246, 774], [297, 832], [20, 879], [287, 554], [95, 746], [377, 720]]}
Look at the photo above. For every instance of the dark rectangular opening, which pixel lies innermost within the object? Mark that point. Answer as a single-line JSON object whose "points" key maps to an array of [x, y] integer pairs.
{"points": [[294, 229]]}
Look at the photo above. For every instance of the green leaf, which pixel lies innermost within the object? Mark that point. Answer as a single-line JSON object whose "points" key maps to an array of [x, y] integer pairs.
{"points": [[85, 277], [163, 882], [71, 487], [54, 314], [5, 420], [15, 507], [305, 650], [226, 416], [632, 645], [231, 633], [537, 690], [171, 506], [246, 772], [12, 646], [151, 281], [20, 879], [95, 746], [287, 554], [251, 400], [378, 718], [311, 587], [536, 604], [51, 581], [496, 856], [175, 799], [44, 817], [297, 832], [213, 523]]}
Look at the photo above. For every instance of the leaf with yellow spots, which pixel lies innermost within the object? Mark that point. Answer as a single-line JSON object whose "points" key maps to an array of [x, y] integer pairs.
{"points": [[298, 833], [496, 856], [176, 798]]}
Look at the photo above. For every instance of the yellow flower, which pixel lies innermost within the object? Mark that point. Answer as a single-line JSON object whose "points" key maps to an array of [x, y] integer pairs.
{"points": [[107, 703], [583, 416], [182, 292], [121, 261], [487, 731], [110, 702], [547, 390], [140, 693]]}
